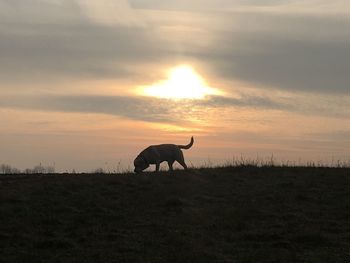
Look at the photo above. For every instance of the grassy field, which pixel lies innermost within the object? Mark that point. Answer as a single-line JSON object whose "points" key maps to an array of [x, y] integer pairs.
{"points": [[232, 214]]}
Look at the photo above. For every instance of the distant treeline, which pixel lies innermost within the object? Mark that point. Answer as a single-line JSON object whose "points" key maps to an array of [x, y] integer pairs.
{"points": [[38, 169]]}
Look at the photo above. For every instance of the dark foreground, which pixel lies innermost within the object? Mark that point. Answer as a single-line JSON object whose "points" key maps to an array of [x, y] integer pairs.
{"points": [[241, 214]]}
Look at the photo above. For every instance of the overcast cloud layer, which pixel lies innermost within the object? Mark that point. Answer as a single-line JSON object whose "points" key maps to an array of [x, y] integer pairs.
{"points": [[260, 42]]}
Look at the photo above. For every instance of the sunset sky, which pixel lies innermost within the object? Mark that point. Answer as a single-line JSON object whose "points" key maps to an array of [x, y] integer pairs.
{"points": [[90, 83]]}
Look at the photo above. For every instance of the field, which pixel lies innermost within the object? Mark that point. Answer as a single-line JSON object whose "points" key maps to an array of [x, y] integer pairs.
{"points": [[230, 214]]}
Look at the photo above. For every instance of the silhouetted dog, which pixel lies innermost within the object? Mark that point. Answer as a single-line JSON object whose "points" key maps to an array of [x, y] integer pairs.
{"points": [[155, 154]]}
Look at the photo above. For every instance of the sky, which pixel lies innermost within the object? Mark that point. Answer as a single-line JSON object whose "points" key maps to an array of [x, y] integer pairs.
{"points": [[90, 83]]}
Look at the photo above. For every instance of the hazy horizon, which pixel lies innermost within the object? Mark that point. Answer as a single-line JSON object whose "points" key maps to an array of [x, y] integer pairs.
{"points": [[89, 84]]}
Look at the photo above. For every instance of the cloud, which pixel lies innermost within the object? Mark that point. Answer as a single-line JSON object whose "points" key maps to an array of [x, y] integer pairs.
{"points": [[166, 110], [131, 108], [37, 52], [16, 12], [318, 106], [291, 52], [201, 5], [136, 108], [256, 102], [46, 40], [106, 12], [281, 6], [110, 12], [294, 66]]}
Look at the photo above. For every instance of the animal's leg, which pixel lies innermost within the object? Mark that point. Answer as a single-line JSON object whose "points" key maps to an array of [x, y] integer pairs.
{"points": [[170, 163], [157, 167], [182, 161]]}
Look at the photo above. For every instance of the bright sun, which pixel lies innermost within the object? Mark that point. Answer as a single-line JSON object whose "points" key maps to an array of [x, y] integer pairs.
{"points": [[182, 83]]}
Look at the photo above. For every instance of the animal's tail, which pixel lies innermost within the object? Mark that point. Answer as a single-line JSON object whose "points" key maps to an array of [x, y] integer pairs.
{"points": [[188, 146]]}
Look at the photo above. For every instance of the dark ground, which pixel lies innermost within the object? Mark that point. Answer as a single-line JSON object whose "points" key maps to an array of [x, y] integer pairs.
{"points": [[234, 214]]}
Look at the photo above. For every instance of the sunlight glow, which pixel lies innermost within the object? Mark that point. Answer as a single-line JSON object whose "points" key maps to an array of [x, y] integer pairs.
{"points": [[182, 83]]}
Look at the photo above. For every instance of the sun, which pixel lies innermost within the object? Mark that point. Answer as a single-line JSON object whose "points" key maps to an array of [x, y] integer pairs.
{"points": [[182, 83]]}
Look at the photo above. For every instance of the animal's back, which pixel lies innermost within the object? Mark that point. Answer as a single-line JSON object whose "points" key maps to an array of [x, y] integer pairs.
{"points": [[168, 151]]}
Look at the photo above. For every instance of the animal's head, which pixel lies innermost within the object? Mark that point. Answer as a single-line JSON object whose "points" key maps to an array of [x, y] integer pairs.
{"points": [[140, 164]]}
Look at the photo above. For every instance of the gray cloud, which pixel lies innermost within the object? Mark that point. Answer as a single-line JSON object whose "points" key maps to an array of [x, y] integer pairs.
{"points": [[194, 5], [277, 6], [300, 52], [293, 52], [78, 50], [161, 110], [292, 65], [331, 107], [38, 46], [137, 108], [245, 101], [133, 108]]}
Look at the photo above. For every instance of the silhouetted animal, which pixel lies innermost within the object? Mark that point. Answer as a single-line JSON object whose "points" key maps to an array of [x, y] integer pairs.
{"points": [[156, 154]]}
